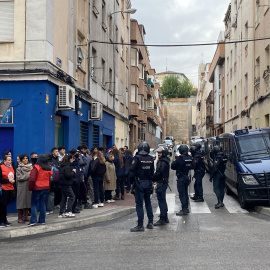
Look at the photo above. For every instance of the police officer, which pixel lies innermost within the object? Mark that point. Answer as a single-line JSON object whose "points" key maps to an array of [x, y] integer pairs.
{"points": [[142, 171], [161, 176], [199, 172], [218, 174], [183, 165]]}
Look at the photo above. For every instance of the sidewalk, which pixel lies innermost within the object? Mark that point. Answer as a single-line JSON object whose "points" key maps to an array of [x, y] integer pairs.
{"points": [[110, 211]]}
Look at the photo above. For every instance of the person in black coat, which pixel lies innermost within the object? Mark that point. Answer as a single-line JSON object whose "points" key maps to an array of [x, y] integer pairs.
{"points": [[67, 174]]}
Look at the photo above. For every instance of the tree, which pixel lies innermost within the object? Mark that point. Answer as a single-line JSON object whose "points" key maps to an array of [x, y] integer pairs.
{"points": [[173, 88], [170, 86]]}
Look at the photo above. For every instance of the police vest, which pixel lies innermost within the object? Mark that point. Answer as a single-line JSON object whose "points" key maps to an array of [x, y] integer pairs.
{"points": [[223, 161], [43, 178], [145, 167], [200, 165], [187, 166], [5, 172]]}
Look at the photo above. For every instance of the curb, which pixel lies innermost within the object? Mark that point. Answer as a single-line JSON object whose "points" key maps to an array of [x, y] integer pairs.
{"points": [[74, 223], [262, 210]]}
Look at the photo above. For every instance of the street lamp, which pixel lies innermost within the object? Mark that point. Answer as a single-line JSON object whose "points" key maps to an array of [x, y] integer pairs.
{"points": [[130, 11]]}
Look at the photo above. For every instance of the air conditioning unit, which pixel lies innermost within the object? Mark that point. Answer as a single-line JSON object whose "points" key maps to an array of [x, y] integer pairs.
{"points": [[66, 97], [96, 111]]}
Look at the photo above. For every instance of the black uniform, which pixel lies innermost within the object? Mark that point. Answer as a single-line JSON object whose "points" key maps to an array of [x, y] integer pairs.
{"points": [[142, 170], [161, 176], [183, 165], [199, 172], [218, 176]]}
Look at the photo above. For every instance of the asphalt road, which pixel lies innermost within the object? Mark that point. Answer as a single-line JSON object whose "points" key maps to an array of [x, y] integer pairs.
{"points": [[207, 238]]}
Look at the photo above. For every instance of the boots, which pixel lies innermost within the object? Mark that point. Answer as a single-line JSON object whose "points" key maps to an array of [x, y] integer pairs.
{"points": [[183, 212], [150, 224], [194, 197], [20, 220], [199, 199], [160, 222], [166, 219], [138, 228], [219, 204], [25, 215]]}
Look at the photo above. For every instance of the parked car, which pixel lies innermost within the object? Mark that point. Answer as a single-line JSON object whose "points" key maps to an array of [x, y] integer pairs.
{"points": [[195, 139], [169, 144]]}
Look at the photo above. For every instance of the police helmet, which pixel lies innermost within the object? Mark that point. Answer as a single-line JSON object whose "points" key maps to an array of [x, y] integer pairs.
{"points": [[183, 148], [162, 150], [198, 146], [143, 148], [193, 150], [216, 149]]}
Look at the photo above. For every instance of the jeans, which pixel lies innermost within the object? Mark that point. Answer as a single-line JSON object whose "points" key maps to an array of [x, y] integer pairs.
{"points": [[50, 201], [108, 195], [128, 184], [182, 187], [120, 185], [143, 192], [68, 198], [161, 196], [219, 185], [38, 197], [198, 188], [98, 189]]}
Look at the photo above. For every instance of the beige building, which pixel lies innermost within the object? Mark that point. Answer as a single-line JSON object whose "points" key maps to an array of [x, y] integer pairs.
{"points": [[162, 75]]}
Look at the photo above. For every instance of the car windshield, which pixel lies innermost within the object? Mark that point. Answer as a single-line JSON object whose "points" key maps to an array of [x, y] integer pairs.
{"points": [[253, 146], [167, 141]]}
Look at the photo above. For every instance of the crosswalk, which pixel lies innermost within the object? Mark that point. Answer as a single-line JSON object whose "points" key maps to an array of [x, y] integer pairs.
{"points": [[230, 203]]}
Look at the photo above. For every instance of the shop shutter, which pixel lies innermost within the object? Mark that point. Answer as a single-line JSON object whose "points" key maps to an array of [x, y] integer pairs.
{"points": [[95, 135], [84, 133], [6, 20]]}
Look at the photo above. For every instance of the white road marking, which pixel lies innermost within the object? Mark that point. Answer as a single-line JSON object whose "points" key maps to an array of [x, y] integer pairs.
{"points": [[233, 206], [199, 207], [170, 198]]}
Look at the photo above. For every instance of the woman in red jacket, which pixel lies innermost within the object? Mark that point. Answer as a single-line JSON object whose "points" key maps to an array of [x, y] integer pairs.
{"points": [[39, 184], [8, 193]]}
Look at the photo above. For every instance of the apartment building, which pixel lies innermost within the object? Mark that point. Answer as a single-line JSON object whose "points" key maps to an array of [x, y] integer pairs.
{"points": [[162, 75], [145, 111], [43, 69]]}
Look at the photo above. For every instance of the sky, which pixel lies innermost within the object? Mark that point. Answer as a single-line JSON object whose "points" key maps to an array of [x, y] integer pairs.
{"points": [[181, 22]]}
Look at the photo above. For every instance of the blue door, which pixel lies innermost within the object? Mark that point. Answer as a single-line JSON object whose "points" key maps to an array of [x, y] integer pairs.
{"points": [[6, 140]]}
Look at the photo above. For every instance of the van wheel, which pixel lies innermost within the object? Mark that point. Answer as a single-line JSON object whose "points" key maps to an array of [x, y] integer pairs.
{"points": [[241, 199], [227, 190]]}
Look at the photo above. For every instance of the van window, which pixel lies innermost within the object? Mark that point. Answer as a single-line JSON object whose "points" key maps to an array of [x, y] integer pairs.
{"points": [[224, 145], [252, 147]]}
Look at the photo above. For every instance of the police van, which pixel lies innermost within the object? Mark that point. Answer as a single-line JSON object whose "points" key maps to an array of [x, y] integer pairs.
{"points": [[248, 166]]}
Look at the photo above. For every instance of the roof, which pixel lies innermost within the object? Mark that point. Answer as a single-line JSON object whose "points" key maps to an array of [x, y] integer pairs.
{"points": [[170, 72]]}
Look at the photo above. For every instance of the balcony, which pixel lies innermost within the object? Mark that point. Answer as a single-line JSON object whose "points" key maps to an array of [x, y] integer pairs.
{"points": [[150, 113], [142, 117], [134, 109]]}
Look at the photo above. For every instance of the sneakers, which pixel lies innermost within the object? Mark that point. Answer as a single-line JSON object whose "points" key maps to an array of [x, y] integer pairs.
{"points": [[60, 215], [68, 215], [2, 225], [100, 204], [95, 206], [50, 212], [32, 224], [108, 201], [112, 200], [8, 224]]}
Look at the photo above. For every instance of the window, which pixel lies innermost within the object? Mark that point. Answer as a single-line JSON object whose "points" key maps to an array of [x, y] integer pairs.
{"points": [[141, 102], [104, 16], [93, 63], [267, 60], [257, 68], [150, 102], [134, 93], [103, 76], [7, 20], [141, 71], [80, 54], [134, 57]]}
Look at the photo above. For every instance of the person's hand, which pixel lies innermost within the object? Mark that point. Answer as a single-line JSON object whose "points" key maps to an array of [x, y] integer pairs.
{"points": [[74, 170], [12, 181]]}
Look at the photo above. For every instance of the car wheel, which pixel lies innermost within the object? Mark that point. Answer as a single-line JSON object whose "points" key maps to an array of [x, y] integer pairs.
{"points": [[241, 199]]}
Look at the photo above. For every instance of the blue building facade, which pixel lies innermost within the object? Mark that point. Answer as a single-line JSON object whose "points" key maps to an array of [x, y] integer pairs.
{"points": [[38, 125]]}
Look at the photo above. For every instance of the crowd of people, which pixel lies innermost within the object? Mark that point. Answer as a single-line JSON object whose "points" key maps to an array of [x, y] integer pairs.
{"points": [[69, 182]]}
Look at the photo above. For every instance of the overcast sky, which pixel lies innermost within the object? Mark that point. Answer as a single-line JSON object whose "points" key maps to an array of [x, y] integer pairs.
{"points": [[179, 22]]}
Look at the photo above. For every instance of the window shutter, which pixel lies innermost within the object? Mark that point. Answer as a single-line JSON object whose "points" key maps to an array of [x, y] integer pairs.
{"points": [[7, 20]]}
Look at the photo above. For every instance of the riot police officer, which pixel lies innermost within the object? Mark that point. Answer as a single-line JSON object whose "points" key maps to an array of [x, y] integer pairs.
{"points": [[142, 171], [183, 165], [218, 174], [199, 172], [161, 176]]}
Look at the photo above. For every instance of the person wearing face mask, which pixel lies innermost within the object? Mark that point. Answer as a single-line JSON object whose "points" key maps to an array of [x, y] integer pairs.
{"points": [[7, 180], [23, 194], [34, 158]]}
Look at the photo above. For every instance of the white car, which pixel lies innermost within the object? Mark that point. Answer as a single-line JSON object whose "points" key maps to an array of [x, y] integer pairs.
{"points": [[151, 153]]}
